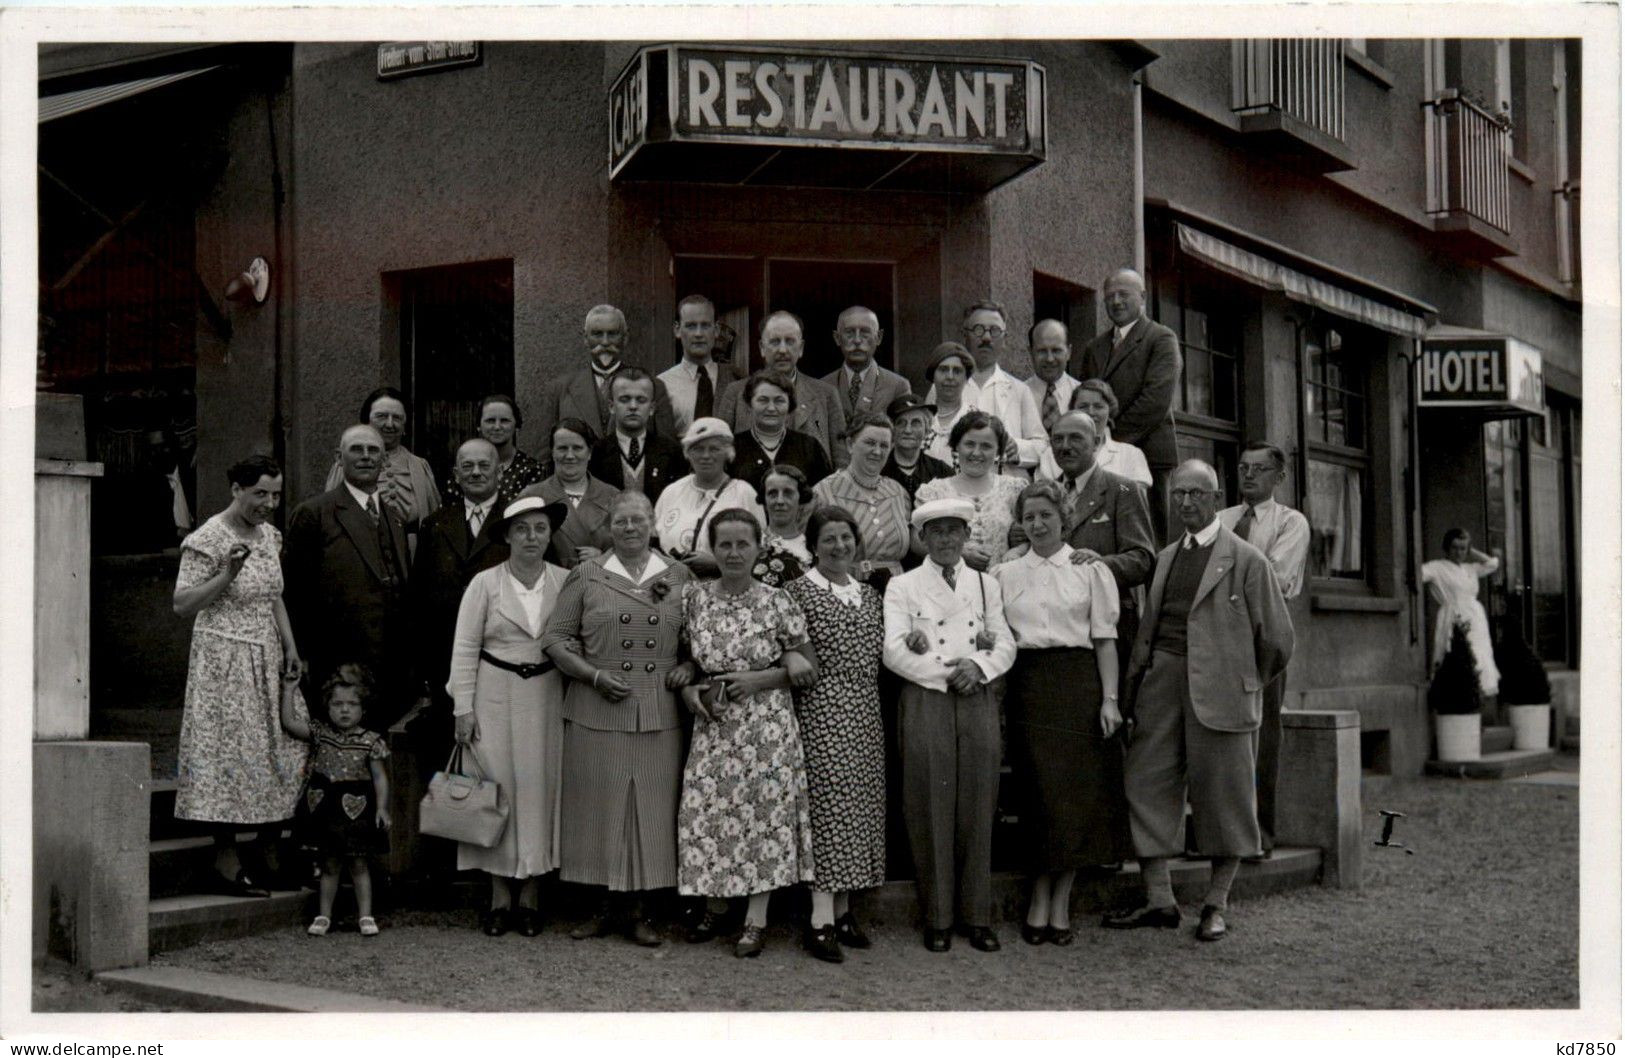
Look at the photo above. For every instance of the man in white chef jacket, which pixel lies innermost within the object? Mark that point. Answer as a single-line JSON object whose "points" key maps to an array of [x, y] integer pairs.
{"points": [[947, 637]]}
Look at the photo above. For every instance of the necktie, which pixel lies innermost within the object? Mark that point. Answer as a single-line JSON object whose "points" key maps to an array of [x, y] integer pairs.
{"points": [[476, 518], [634, 453], [602, 377], [372, 508], [948, 575], [853, 392], [704, 395], [1244, 527], [1051, 409]]}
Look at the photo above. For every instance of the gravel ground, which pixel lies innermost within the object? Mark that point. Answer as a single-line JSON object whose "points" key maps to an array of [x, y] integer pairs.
{"points": [[1486, 914]]}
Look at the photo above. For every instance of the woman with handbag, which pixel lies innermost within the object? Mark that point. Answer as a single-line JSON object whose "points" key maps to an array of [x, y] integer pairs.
{"points": [[507, 702], [616, 633]]}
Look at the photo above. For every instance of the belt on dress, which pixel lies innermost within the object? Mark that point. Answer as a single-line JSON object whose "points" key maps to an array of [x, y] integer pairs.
{"points": [[524, 670]]}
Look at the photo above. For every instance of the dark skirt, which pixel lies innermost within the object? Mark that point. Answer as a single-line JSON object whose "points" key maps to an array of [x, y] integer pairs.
{"points": [[339, 818], [1066, 779]]}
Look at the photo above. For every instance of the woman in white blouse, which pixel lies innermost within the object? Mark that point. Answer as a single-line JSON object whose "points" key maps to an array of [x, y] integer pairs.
{"points": [[507, 699], [1094, 397], [1061, 711], [686, 506]]}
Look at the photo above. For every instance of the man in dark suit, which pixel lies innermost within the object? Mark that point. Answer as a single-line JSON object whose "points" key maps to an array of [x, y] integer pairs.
{"points": [[344, 571], [1216, 631], [1111, 523], [696, 381], [634, 456], [1140, 358], [865, 388], [818, 409], [584, 394]]}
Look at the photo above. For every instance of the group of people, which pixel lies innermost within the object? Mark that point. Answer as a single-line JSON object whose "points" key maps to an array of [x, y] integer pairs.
{"points": [[706, 637]]}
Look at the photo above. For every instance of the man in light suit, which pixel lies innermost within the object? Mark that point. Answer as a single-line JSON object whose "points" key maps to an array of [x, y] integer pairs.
{"points": [[695, 381], [994, 390], [818, 408], [1051, 385], [584, 394], [1215, 632], [1140, 358], [1283, 535], [344, 571], [946, 636], [865, 388]]}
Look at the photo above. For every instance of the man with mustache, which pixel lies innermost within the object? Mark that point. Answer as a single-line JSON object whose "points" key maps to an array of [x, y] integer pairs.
{"points": [[585, 394], [818, 408], [865, 388], [994, 390]]}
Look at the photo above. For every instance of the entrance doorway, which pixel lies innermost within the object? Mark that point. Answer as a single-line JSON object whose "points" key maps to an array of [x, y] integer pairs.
{"points": [[745, 288]]}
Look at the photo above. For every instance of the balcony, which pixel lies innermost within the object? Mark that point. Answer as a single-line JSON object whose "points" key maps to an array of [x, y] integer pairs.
{"points": [[1469, 194], [1289, 97]]}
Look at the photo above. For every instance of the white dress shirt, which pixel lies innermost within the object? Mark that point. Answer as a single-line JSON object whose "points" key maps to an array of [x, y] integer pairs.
{"points": [[1282, 534], [656, 566], [682, 382], [1006, 396], [1203, 537], [1063, 392], [920, 600], [1119, 333], [361, 498], [1049, 602], [484, 509]]}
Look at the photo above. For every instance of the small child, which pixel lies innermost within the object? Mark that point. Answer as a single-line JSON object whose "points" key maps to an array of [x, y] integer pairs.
{"points": [[344, 809]]}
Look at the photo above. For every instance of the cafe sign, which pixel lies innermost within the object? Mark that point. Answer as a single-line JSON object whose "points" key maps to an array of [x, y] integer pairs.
{"points": [[1489, 372], [830, 118]]}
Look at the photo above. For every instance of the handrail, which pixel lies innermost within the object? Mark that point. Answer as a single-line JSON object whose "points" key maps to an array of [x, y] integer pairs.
{"points": [[1467, 153], [1301, 77]]}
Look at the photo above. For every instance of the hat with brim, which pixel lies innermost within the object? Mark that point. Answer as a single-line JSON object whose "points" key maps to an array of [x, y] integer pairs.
{"points": [[943, 352], [705, 430], [931, 510], [906, 403], [556, 512]]}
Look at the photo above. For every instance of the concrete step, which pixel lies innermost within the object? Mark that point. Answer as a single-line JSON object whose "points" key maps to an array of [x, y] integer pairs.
{"points": [[183, 989], [1500, 765], [1495, 739], [181, 921]]}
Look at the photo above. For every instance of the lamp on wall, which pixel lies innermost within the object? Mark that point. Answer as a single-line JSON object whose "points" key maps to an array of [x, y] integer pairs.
{"points": [[254, 283]]}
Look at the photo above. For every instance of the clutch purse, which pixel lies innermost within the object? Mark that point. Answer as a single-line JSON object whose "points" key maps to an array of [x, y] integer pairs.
{"points": [[467, 808]]}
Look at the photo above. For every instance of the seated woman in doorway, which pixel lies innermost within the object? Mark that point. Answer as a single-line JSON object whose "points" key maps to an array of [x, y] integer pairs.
{"points": [[770, 440], [585, 533], [498, 420], [405, 482], [877, 503], [684, 511], [784, 557], [977, 440], [1452, 582]]}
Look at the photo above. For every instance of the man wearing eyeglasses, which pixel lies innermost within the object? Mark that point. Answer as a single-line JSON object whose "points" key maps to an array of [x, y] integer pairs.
{"points": [[1282, 534], [1215, 632], [994, 390], [865, 388], [1140, 358]]}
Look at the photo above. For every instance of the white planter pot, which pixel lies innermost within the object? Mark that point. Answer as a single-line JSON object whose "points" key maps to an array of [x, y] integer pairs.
{"points": [[1459, 736], [1531, 726]]}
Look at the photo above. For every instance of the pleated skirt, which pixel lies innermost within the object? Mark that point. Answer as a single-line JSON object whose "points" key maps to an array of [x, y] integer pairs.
{"points": [[620, 807]]}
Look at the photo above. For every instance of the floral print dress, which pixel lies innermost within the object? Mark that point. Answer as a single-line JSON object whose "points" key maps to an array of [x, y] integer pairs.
{"points": [[743, 824]]}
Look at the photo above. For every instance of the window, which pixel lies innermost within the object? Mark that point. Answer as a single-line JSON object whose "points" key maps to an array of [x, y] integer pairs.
{"points": [[1339, 462], [1208, 315]]}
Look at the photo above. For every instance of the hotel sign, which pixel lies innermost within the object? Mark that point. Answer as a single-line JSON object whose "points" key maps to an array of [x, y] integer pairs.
{"points": [[939, 110], [1490, 372]]}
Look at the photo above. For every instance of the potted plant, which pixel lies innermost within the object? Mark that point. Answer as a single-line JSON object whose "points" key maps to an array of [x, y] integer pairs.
{"points": [[1525, 690], [1456, 701]]}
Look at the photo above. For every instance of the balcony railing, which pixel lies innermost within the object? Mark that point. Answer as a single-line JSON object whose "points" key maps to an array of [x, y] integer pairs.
{"points": [[1302, 79], [1467, 152]]}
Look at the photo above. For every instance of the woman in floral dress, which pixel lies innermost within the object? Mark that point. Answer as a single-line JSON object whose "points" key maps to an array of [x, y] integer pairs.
{"points": [[743, 824], [238, 767]]}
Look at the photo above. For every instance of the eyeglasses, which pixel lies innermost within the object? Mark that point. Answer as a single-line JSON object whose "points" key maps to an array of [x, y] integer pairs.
{"points": [[986, 330], [1180, 495], [857, 332]]}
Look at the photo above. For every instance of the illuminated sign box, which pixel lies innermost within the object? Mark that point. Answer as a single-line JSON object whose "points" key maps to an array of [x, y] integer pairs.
{"points": [[1490, 373], [808, 118]]}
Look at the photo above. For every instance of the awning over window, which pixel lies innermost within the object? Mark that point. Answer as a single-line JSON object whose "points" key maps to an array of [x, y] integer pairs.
{"points": [[1244, 264], [60, 106]]}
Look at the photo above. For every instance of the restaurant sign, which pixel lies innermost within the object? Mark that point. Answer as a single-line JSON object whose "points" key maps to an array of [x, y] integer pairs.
{"points": [[403, 57], [869, 107], [1489, 372]]}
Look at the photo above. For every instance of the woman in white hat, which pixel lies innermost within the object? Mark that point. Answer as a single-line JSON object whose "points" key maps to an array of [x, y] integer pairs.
{"points": [[507, 700], [686, 506], [946, 636]]}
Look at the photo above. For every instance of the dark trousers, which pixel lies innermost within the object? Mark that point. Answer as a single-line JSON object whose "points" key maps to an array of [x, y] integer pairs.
{"points": [[1269, 758], [950, 752], [1156, 497]]}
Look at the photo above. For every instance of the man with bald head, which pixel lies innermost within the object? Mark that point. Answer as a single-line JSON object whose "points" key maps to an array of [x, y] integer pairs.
{"points": [[1047, 344], [584, 394], [818, 408], [1214, 633], [344, 571], [865, 388], [1140, 358]]}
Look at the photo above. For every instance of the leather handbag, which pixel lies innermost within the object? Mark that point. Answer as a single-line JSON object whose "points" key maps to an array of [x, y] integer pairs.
{"points": [[467, 808]]}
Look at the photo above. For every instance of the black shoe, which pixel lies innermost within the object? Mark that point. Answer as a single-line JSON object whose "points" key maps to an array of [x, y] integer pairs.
{"points": [[526, 922], [707, 927], [494, 923], [598, 925], [849, 933], [1212, 926], [824, 944], [1034, 935], [642, 932], [982, 938], [241, 885], [938, 940], [1143, 918], [1061, 937]]}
